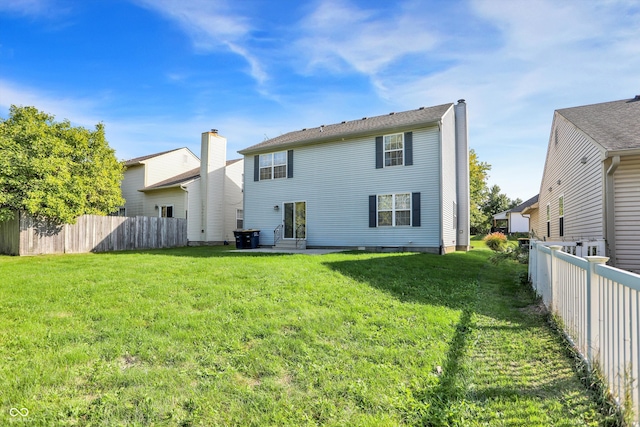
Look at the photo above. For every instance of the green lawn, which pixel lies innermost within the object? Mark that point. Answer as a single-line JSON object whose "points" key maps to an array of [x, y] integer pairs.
{"points": [[204, 336]]}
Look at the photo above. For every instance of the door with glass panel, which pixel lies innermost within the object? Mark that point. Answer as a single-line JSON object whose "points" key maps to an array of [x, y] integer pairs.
{"points": [[295, 220]]}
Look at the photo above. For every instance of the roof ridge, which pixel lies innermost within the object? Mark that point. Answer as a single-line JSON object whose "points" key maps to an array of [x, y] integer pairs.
{"points": [[353, 128]]}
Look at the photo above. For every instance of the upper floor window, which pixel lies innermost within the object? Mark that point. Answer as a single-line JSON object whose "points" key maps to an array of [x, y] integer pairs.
{"points": [[548, 220], [393, 150], [273, 165], [561, 214]]}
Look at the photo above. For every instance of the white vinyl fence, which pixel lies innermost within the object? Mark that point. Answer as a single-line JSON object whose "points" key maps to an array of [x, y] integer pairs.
{"points": [[598, 305]]}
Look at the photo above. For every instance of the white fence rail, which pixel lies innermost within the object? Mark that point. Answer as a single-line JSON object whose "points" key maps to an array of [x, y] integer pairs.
{"points": [[598, 305]]}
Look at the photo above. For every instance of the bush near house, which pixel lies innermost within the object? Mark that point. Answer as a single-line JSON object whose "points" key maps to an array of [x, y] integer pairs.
{"points": [[496, 241]]}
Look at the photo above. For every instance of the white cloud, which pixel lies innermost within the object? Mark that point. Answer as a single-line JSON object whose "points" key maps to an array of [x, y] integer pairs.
{"points": [[212, 26], [76, 110], [338, 35], [25, 7], [543, 56]]}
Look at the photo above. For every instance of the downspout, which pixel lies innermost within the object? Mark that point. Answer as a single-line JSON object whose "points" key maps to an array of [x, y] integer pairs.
{"points": [[440, 179], [609, 211], [186, 211]]}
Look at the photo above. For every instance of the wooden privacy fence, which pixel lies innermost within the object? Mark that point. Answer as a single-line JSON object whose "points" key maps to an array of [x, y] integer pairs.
{"points": [[600, 308], [91, 233]]}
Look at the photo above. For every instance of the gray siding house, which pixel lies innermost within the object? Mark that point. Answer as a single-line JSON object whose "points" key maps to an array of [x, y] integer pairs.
{"points": [[590, 187], [398, 181]]}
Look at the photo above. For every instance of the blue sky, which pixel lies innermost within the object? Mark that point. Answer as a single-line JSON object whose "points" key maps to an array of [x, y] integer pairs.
{"points": [[158, 73]]}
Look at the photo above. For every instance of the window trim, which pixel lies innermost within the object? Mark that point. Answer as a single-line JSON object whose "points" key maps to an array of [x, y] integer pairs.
{"points": [[287, 156], [548, 219], [561, 215], [164, 207], [385, 151], [394, 210], [239, 217]]}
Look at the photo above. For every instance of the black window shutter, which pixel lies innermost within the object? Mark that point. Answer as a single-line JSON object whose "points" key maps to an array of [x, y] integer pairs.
{"points": [[290, 164], [379, 153], [373, 211], [256, 168], [415, 209], [408, 148]]}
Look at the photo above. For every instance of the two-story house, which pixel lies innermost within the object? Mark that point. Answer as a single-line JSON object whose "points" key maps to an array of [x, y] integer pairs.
{"points": [[398, 181], [207, 191]]}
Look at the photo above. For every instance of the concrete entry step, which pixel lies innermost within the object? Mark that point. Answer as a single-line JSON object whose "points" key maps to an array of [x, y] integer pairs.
{"points": [[291, 244]]}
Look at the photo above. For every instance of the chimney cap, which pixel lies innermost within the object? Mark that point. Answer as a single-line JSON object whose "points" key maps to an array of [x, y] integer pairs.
{"points": [[461, 101], [214, 130]]}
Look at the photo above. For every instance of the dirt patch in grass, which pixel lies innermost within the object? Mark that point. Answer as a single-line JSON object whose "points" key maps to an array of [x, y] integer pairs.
{"points": [[536, 309]]}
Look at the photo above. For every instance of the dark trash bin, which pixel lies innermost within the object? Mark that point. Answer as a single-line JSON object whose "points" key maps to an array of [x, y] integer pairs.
{"points": [[247, 239]]}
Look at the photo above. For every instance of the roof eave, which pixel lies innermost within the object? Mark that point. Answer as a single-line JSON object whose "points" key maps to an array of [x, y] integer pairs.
{"points": [[164, 187], [623, 152]]}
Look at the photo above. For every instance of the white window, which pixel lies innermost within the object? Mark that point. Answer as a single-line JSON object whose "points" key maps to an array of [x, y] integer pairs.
{"points": [[394, 209], [166, 211], [561, 214], [273, 165], [548, 220], [239, 219], [394, 150]]}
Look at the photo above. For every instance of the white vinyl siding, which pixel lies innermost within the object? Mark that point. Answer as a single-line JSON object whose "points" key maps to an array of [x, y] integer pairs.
{"points": [[168, 165], [174, 197], [342, 175], [194, 207], [132, 182], [627, 213], [581, 183], [232, 198], [449, 183]]}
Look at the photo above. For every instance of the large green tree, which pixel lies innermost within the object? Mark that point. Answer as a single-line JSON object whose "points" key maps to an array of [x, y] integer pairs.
{"points": [[484, 201], [55, 171], [478, 193], [497, 202]]}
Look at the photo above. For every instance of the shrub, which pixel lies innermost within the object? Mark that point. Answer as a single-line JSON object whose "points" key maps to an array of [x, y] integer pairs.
{"points": [[496, 241]]}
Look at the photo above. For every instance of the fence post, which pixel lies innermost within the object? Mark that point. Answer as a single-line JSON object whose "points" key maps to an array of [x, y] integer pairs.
{"points": [[554, 274], [593, 318]]}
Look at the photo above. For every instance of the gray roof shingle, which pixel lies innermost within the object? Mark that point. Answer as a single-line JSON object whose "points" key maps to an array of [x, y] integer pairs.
{"points": [[525, 204], [353, 128], [187, 176], [615, 125], [137, 160], [175, 180]]}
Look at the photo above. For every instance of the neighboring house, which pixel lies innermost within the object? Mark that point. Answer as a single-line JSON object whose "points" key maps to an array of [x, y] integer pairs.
{"points": [[170, 184], [398, 181], [515, 220], [590, 188]]}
